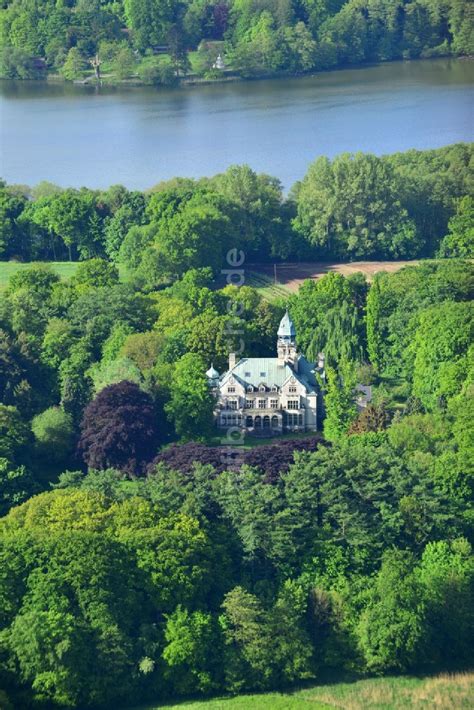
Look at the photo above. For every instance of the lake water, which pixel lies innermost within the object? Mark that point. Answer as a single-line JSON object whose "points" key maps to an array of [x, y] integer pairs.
{"points": [[75, 135]]}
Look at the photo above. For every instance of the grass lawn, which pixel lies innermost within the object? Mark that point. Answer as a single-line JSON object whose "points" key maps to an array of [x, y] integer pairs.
{"points": [[64, 269], [266, 286], [442, 692], [261, 277]]}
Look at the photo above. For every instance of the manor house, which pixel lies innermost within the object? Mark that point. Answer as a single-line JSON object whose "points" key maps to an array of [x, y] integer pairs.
{"points": [[274, 394]]}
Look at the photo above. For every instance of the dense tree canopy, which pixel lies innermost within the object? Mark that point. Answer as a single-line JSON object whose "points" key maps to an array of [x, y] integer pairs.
{"points": [[256, 38], [460, 239], [356, 206], [141, 556], [352, 207]]}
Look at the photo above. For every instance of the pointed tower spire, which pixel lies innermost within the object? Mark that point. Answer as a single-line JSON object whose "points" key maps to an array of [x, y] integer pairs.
{"points": [[286, 328], [286, 342]]}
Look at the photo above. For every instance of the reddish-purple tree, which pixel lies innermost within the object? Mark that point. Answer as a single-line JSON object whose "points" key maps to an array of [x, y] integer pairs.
{"points": [[275, 459], [271, 459], [119, 429]]}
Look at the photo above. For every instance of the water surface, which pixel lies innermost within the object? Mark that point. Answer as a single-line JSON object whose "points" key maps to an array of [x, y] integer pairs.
{"points": [[75, 135]]}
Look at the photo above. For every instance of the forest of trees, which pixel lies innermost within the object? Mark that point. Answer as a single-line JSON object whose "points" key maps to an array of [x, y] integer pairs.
{"points": [[256, 37], [146, 557], [136, 561], [131, 573], [357, 206]]}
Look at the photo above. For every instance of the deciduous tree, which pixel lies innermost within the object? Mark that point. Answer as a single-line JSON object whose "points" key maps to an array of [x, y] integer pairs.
{"points": [[192, 403], [119, 429]]}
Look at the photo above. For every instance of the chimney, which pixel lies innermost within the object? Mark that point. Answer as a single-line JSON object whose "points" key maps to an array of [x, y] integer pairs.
{"points": [[231, 361]]}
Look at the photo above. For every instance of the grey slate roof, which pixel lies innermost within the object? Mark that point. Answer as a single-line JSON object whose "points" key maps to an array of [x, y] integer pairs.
{"points": [[271, 372], [286, 329]]}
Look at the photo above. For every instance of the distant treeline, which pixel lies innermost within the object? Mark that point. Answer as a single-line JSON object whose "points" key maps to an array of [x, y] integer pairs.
{"points": [[401, 206], [255, 37]]}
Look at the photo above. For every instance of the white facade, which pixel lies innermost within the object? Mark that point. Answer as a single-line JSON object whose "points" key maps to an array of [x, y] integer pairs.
{"points": [[272, 394]]}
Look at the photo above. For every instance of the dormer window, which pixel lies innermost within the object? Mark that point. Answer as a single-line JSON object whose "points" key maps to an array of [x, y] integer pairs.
{"points": [[274, 388], [262, 388], [250, 388]]}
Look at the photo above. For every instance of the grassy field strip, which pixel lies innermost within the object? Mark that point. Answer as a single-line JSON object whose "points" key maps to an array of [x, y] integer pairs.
{"points": [[442, 692], [290, 275], [266, 286], [64, 269]]}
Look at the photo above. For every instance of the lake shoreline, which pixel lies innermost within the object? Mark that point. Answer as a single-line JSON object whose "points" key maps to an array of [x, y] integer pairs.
{"points": [[192, 82], [97, 137]]}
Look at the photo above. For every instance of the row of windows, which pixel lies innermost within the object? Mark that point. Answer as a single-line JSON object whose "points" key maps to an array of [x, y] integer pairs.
{"points": [[291, 420], [231, 420], [263, 404], [291, 389], [266, 422], [294, 420]]}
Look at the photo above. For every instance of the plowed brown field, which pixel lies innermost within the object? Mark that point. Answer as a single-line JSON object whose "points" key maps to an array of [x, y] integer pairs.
{"points": [[291, 275]]}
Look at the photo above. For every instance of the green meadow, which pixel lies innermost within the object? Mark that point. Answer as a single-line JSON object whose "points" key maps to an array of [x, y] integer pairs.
{"points": [[442, 692], [65, 269]]}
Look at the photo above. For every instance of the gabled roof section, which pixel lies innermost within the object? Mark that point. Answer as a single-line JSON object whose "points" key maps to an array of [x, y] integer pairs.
{"points": [[232, 373], [248, 371], [306, 374]]}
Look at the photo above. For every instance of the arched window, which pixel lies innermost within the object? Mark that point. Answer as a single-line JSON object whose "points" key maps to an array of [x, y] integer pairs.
{"points": [[266, 422], [275, 424], [258, 422], [249, 422]]}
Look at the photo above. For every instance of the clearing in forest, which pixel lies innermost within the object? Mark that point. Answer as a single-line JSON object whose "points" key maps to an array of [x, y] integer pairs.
{"points": [[276, 280]]}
